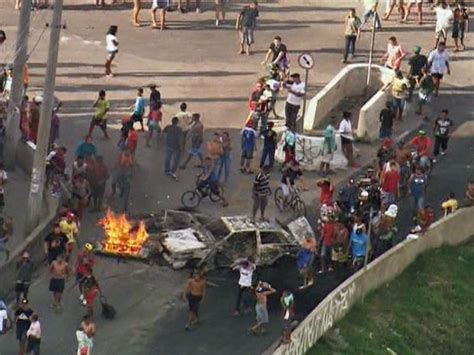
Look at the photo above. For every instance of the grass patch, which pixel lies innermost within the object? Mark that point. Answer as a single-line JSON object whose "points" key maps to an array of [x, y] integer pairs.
{"points": [[429, 309]]}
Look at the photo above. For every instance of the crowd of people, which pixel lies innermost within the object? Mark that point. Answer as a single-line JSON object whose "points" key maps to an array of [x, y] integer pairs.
{"points": [[356, 222]]}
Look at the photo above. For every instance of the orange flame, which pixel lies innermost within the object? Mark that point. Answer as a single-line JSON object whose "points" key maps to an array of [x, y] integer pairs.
{"points": [[120, 237]]}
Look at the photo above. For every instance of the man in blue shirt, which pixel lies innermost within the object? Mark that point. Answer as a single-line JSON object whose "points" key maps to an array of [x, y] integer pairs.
{"points": [[86, 148], [139, 108], [359, 241], [417, 183], [248, 135]]}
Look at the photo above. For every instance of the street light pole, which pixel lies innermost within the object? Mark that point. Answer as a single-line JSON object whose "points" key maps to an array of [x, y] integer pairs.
{"points": [[301, 122], [371, 52], [35, 201], [16, 97]]}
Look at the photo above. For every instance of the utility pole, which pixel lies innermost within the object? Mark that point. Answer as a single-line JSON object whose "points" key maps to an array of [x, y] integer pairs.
{"points": [[35, 200], [371, 52], [16, 96]]}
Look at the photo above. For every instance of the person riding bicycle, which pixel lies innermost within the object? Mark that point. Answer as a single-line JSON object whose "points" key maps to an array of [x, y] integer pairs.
{"points": [[277, 52], [209, 178], [422, 144], [290, 173]]}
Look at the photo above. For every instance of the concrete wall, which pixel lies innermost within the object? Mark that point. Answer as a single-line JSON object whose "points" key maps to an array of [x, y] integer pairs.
{"points": [[369, 115], [33, 244], [350, 81], [452, 230], [25, 154]]}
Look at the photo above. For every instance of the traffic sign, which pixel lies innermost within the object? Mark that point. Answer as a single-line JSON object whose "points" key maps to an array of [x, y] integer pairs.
{"points": [[306, 61]]}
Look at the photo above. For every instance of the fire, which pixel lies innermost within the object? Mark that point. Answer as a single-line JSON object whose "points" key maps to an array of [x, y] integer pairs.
{"points": [[120, 236]]}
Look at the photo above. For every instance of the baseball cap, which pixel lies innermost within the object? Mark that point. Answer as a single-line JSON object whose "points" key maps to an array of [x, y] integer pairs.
{"points": [[88, 247]]}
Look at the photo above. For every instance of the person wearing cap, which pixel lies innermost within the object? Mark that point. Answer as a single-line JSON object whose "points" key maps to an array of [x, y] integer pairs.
{"points": [[387, 231], [416, 63], [24, 272], [85, 264], [22, 323], [296, 92]]}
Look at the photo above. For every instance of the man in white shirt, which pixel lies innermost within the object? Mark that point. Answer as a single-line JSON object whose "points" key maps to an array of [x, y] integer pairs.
{"points": [[347, 138], [185, 121], [438, 62], [294, 100], [246, 267]]}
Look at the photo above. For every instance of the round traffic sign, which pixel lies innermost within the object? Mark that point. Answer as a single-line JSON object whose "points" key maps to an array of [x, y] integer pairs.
{"points": [[306, 61]]}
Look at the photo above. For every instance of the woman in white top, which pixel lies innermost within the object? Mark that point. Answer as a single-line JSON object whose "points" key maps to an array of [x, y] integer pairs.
{"points": [[112, 49], [34, 336]]}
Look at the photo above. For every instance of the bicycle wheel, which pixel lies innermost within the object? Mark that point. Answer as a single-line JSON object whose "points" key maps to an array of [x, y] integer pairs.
{"points": [[216, 197], [299, 208], [279, 199], [190, 199]]}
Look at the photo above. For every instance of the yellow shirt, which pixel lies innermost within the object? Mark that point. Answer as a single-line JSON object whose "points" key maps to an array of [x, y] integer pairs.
{"points": [[101, 108], [398, 88], [449, 206], [70, 229]]}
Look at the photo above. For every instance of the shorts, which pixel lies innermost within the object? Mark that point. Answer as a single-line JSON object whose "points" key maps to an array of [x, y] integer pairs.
{"points": [[160, 4], [441, 33], [416, 1], [246, 36], [247, 154], [56, 285], [152, 125], [387, 198], [101, 122], [21, 336], [90, 296], [111, 54], [22, 287], [220, 2], [195, 151], [438, 76], [262, 313], [194, 302], [137, 118]]}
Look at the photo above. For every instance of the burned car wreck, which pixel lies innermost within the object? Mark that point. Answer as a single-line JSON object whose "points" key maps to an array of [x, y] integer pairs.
{"points": [[187, 239]]}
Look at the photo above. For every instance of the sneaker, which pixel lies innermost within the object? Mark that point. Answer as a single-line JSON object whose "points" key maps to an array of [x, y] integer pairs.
{"points": [[217, 23], [443, 153], [173, 175], [81, 297]]}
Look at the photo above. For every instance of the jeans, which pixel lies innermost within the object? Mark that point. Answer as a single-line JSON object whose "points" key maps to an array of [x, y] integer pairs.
{"points": [[419, 202], [268, 151], [291, 114], [350, 45], [440, 142], [243, 295], [369, 13], [224, 164], [171, 160]]}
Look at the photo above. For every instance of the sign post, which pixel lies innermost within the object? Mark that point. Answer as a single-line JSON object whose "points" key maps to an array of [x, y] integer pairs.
{"points": [[306, 61]]}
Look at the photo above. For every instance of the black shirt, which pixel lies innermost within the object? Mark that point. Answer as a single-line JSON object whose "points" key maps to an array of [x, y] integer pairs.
{"points": [[174, 136], [386, 118], [249, 17], [269, 138], [155, 98], [276, 50], [442, 127], [417, 62], [56, 244], [22, 317], [291, 174]]}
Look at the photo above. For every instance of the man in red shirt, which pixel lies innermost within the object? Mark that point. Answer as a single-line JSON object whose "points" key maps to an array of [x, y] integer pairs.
{"points": [[423, 144], [328, 234], [84, 266], [390, 182]]}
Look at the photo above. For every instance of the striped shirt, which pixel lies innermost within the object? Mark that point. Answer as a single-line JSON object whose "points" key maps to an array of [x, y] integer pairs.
{"points": [[261, 184]]}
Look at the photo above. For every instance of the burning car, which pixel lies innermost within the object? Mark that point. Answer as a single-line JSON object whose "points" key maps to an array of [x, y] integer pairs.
{"points": [[230, 238], [184, 239]]}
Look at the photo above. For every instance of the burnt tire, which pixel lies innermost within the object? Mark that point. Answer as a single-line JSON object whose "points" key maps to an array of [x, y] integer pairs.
{"points": [[190, 199]]}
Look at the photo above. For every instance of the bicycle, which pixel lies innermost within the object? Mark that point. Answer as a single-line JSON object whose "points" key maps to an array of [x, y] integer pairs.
{"points": [[192, 198], [291, 202]]}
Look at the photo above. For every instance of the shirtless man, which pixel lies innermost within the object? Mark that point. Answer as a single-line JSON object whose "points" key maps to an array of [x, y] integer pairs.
{"points": [[262, 291], [59, 270], [194, 292]]}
